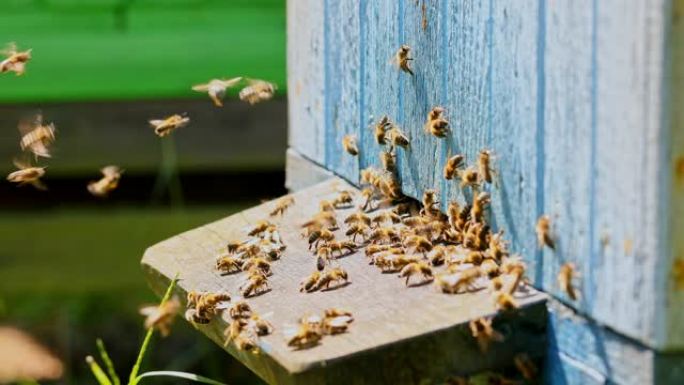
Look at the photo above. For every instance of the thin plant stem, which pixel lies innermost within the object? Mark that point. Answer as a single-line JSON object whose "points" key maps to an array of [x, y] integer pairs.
{"points": [[107, 362]]}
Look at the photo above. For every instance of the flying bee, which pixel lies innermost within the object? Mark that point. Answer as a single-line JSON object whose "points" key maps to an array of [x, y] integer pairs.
{"points": [[381, 128], [384, 217], [258, 263], [389, 160], [163, 127], [335, 275], [281, 205], [228, 264], [418, 244], [257, 283], [309, 283], [470, 177], [349, 145], [543, 230], [321, 235], [109, 181], [454, 283], [505, 301], [415, 268], [27, 175], [344, 199], [305, 337], [341, 246], [384, 235], [484, 165], [484, 333], [436, 124], [565, 276], [216, 88], [403, 58], [36, 136], [452, 166], [480, 203], [525, 366], [397, 137], [15, 60], [240, 309], [161, 316], [357, 229], [257, 91]]}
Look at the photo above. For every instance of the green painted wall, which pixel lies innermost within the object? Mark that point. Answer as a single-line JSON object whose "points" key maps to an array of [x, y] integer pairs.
{"points": [[139, 49]]}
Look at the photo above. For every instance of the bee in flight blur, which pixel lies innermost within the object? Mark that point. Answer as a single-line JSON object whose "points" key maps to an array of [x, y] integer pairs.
{"points": [[163, 127], [257, 91], [27, 174], [216, 88], [109, 181], [15, 61], [36, 137]]}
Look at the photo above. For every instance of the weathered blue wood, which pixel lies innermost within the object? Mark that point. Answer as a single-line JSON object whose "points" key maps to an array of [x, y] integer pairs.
{"points": [[306, 78], [381, 31], [342, 91]]}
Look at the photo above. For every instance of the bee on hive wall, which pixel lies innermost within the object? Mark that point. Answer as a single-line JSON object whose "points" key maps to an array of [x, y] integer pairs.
{"points": [[543, 230], [349, 145], [565, 277], [403, 58]]}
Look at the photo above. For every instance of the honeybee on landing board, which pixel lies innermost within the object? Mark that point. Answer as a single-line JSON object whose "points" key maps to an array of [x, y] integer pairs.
{"points": [[216, 88], [403, 58], [257, 91], [109, 181], [15, 61], [163, 127], [281, 205], [27, 175], [349, 144], [36, 137]]}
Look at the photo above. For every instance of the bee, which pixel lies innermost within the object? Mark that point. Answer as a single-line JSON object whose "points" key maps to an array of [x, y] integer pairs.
{"points": [[397, 137], [336, 321], [416, 268], [259, 264], [405, 208], [498, 246], [474, 258], [518, 272], [334, 313], [480, 203], [317, 236], [257, 283], [206, 305], [36, 136], [27, 175], [525, 366], [436, 124], [429, 199], [415, 221], [163, 127], [281, 205], [374, 249], [309, 283], [452, 166], [340, 246], [505, 301], [260, 325], [228, 264], [386, 216], [565, 276], [336, 275], [233, 246], [418, 244], [15, 60], [394, 262], [543, 230], [402, 59], [326, 205], [109, 181], [484, 165], [216, 88], [384, 235], [369, 194], [305, 337], [246, 343], [489, 268], [482, 330], [437, 256], [240, 309], [257, 91], [389, 160], [470, 177], [369, 176], [454, 283], [381, 129], [349, 145], [344, 199], [260, 228], [358, 217], [234, 330], [357, 229], [322, 219], [161, 316]]}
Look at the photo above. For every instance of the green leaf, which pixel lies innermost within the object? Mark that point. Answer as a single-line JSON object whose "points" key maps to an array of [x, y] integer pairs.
{"points": [[107, 362], [187, 376], [100, 376]]}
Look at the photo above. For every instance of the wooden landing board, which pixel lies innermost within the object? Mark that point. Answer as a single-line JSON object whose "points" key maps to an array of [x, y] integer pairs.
{"points": [[400, 335]]}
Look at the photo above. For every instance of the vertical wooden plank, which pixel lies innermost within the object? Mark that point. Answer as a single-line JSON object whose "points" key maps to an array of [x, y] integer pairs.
{"points": [[516, 97], [620, 286], [425, 33], [568, 127], [381, 26], [305, 78], [342, 91]]}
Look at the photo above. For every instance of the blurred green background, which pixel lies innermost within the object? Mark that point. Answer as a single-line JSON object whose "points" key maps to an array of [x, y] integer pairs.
{"points": [[69, 263]]}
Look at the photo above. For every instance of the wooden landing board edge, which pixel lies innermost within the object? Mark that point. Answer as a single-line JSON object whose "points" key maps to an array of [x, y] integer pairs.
{"points": [[400, 335], [301, 172]]}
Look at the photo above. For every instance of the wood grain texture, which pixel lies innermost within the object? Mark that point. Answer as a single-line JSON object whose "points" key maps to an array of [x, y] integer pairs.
{"points": [[306, 78], [568, 97], [400, 335]]}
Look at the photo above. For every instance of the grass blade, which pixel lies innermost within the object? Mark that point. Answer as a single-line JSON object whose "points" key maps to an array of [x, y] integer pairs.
{"points": [[187, 376], [107, 362], [100, 375]]}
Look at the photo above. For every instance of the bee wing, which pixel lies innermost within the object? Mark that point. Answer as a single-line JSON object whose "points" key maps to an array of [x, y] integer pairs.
{"points": [[156, 122], [201, 87], [20, 164], [111, 171], [290, 331], [27, 124], [148, 310], [232, 82], [10, 49]]}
